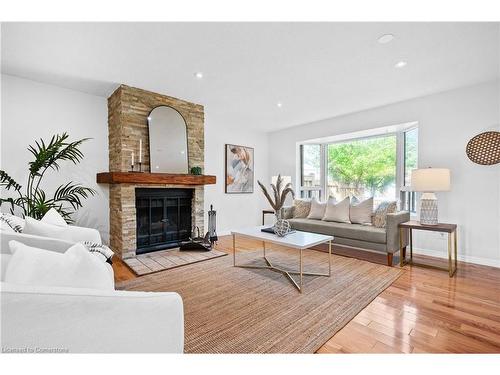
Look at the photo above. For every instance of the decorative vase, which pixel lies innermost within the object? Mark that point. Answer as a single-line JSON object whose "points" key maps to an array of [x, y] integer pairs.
{"points": [[281, 227]]}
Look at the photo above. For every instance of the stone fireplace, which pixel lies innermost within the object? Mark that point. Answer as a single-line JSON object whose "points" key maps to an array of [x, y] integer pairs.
{"points": [[128, 109]]}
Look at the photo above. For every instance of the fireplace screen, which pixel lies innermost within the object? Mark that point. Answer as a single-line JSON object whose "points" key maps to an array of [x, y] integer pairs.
{"points": [[163, 218]]}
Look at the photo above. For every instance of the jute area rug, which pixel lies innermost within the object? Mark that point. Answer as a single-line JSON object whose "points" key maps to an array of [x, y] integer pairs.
{"points": [[238, 310]]}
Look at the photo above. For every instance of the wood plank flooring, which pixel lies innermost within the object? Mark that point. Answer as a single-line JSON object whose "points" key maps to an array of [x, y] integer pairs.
{"points": [[424, 311]]}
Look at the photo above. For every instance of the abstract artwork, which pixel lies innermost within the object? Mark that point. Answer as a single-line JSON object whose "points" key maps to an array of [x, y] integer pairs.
{"points": [[239, 169]]}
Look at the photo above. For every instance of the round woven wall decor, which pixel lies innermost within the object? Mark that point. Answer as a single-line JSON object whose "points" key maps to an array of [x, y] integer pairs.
{"points": [[484, 148]]}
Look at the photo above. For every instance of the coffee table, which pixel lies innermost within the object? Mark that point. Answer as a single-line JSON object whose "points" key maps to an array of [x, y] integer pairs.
{"points": [[298, 240]]}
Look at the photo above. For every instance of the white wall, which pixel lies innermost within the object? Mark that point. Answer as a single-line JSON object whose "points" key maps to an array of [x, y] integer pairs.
{"points": [[446, 122], [234, 210], [32, 110]]}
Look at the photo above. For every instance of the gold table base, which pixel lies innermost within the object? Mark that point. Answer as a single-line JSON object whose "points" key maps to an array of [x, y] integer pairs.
{"points": [[287, 273], [452, 263]]}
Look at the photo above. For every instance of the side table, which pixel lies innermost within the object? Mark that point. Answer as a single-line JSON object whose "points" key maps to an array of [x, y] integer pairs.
{"points": [[451, 229]]}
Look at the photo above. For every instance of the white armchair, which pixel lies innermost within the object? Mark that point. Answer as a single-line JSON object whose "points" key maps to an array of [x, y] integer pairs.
{"points": [[80, 320]]}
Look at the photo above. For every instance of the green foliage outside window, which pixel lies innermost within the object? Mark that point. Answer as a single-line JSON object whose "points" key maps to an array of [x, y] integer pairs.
{"points": [[368, 164]]}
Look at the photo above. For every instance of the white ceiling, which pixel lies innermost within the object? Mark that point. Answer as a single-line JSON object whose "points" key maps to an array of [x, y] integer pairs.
{"points": [[317, 70]]}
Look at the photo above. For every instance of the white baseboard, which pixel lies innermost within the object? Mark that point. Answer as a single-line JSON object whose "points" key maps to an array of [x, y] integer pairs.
{"points": [[434, 253], [463, 258]]}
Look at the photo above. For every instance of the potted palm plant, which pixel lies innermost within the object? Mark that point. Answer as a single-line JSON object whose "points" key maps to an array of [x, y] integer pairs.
{"points": [[277, 200], [32, 200]]}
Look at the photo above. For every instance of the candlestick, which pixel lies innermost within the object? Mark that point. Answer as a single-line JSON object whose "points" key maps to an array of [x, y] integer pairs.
{"points": [[133, 159], [140, 150]]}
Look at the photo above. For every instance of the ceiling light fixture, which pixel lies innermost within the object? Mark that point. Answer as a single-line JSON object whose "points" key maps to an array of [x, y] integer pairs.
{"points": [[400, 64], [386, 38], [279, 104], [198, 75]]}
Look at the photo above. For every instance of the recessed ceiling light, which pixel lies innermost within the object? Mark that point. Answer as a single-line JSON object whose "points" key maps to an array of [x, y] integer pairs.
{"points": [[400, 64], [279, 104], [198, 75], [386, 38]]}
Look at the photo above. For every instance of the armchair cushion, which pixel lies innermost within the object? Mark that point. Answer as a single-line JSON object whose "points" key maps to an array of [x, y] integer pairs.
{"points": [[76, 267], [81, 320], [67, 233]]}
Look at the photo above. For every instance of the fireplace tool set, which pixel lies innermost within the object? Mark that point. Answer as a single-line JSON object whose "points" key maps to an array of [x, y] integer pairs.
{"points": [[198, 243]]}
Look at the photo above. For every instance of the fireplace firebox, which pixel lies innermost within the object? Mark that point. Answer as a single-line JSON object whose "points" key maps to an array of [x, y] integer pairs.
{"points": [[163, 218]]}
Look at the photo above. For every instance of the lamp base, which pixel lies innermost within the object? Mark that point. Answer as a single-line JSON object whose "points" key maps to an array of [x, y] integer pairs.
{"points": [[428, 209]]}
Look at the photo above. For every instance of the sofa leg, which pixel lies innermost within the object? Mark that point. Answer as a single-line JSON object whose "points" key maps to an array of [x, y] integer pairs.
{"points": [[389, 259]]}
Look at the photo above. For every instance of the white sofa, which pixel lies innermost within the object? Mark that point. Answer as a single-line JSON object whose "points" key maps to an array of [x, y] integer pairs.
{"points": [[77, 320]]}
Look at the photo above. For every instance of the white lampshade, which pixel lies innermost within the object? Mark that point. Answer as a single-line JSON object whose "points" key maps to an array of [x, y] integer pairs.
{"points": [[430, 179], [284, 180]]}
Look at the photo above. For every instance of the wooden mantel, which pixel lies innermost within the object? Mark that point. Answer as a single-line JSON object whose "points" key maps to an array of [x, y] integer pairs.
{"points": [[154, 178]]}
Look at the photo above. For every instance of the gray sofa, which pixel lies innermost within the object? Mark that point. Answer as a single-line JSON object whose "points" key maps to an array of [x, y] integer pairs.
{"points": [[382, 240]]}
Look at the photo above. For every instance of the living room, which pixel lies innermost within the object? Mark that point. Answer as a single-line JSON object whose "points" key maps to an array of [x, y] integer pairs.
{"points": [[249, 188]]}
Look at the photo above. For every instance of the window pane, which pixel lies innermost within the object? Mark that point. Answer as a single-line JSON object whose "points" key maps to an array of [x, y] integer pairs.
{"points": [[311, 161], [411, 153], [363, 168], [310, 171]]}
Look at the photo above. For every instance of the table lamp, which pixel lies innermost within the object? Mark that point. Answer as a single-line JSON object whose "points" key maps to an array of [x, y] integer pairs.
{"points": [[428, 181]]}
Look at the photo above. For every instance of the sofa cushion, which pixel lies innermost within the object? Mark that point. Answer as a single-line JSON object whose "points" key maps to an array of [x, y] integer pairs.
{"points": [[379, 218], [301, 208], [317, 210], [361, 212], [353, 231], [337, 211], [75, 268]]}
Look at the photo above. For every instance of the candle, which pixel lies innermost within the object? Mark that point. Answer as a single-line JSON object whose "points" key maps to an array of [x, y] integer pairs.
{"points": [[140, 150], [133, 158]]}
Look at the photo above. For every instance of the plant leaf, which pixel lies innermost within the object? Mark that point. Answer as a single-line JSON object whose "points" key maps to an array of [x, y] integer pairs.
{"points": [[8, 181]]}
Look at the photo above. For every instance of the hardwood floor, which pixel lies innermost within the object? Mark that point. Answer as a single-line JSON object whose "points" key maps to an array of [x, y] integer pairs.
{"points": [[424, 311]]}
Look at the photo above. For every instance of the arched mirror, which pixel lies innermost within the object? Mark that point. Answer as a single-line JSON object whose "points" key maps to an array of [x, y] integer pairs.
{"points": [[167, 141]]}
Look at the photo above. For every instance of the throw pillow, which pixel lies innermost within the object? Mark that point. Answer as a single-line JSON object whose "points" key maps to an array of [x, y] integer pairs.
{"points": [[337, 211], [317, 210], [11, 223], [301, 208], [101, 250], [380, 215], [76, 268], [68, 233], [361, 212], [53, 217]]}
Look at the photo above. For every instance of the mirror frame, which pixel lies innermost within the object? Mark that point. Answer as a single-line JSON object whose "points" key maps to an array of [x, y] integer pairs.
{"points": [[149, 137]]}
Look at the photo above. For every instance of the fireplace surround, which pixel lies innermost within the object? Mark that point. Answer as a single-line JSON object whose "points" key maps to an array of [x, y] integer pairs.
{"points": [[128, 110]]}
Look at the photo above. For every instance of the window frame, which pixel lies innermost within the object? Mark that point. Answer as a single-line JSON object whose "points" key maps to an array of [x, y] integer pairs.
{"points": [[399, 132]]}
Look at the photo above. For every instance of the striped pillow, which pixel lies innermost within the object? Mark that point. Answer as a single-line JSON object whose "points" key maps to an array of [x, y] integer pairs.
{"points": [[100, 249], [11, 223]]}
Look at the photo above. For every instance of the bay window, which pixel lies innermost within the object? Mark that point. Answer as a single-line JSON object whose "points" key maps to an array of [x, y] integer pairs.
{"points": [[377, 165]]}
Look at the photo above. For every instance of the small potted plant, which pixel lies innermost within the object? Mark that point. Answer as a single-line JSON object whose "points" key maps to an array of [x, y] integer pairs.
{"points": [[196, 171]]}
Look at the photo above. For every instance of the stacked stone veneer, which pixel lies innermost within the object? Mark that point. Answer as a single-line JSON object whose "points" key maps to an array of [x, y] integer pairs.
{"points": [[128, 109]]}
